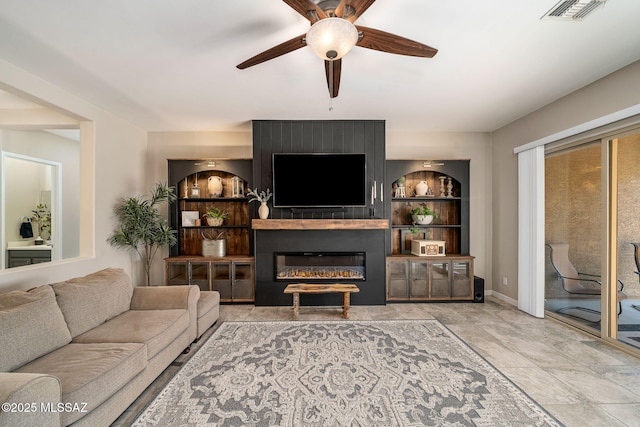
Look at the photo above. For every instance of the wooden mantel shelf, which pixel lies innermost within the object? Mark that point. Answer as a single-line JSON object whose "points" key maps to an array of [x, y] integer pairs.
{"points": [[320, 224]]}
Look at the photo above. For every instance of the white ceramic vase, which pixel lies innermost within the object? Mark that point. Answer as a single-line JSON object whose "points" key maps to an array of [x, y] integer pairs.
{"points": [[215, 186], [263, 210], [422, 189]]}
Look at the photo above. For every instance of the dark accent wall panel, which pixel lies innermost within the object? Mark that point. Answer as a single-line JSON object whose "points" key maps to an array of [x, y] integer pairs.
{"points": [[321, 136]]}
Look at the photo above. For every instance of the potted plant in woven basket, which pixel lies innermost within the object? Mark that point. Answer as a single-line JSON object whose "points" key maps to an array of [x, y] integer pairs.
{"points": [[215, 217]]}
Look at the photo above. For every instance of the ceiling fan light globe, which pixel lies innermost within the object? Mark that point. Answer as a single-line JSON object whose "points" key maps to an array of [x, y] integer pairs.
{"points": [[332, 38]]}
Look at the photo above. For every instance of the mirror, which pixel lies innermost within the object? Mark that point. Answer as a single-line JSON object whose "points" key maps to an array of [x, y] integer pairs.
{"points": [[40, 185]]}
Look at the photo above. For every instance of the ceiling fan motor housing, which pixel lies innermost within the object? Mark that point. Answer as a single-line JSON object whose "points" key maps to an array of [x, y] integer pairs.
{"points": [[329, 7]]}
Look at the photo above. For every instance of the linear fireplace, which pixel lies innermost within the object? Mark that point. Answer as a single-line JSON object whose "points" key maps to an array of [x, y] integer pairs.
{"points": [[312, 266], [319, 255]]}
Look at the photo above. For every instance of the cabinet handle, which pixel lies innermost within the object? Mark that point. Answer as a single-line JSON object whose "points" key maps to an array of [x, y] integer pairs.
{"points": [[382, 192], [373, 193]]}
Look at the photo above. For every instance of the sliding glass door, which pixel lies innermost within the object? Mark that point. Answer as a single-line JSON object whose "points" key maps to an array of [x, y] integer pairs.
{"points": [[625, 218], [573, 224], [592, 235]]}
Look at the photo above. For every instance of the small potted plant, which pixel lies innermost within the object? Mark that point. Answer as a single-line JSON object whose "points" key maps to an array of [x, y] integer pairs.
{"points": [[423, 215], [262, 197], [215, 217]]}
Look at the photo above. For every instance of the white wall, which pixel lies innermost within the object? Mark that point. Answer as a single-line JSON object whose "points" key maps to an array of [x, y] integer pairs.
{"points": [[115, 161], [612, 93], [474, 146]]}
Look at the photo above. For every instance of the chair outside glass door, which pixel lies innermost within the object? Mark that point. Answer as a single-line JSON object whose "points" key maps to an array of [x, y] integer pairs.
{"points": [[592, 231], [573, 224], [625, 193]]}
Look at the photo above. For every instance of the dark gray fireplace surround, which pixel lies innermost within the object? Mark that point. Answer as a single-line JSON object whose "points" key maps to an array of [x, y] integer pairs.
{"points": [[269, 291], [321, 136]]}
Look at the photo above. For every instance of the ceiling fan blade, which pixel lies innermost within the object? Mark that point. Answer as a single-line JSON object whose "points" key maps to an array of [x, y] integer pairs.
{"points": [[279, 50], [352, 9], [391, 43], [308, 9], [333, 70]]}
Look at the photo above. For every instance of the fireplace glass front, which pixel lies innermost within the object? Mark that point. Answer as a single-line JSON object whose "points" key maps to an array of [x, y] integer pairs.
{"points": [[320, 266]]}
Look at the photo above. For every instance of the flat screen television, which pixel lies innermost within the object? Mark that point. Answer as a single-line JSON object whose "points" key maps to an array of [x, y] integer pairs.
{"points": [[319, 180]]}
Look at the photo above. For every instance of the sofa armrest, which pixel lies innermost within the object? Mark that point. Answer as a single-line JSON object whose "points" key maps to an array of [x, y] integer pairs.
{"points": [[32, 399], [165, 297]]}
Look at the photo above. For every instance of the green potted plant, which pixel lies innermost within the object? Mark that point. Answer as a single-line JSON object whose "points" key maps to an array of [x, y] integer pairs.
{"points": [[423, 215], [141, 228], [215, 217], [42, 216]]}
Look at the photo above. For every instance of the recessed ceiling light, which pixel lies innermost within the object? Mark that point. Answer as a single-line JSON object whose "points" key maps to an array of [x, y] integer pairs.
{"points": [[573, 10]]}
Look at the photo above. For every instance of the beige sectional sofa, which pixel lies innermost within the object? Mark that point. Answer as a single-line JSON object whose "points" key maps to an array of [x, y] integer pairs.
{"points": [[81, 351]]}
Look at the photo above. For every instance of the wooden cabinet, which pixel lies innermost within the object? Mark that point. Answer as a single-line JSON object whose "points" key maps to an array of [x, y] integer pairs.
{"points": [[232, 276], [18, 258], [448, 182], [411, 278]]}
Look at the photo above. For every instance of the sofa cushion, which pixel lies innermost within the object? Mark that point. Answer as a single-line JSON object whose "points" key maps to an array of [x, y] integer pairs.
{"points": [[208, 310], [155, 328], [29, 389], [31, 324], [89, 301], [90, 373]]}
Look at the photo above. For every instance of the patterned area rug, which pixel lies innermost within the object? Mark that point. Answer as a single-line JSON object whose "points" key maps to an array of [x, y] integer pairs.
{"points": [[340, 373]]}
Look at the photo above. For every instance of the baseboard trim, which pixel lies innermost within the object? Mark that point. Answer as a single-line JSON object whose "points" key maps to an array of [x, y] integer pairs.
{"points": [[502, 297]]}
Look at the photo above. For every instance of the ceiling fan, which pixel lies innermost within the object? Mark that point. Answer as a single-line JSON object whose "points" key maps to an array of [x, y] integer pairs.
{"points": [[333, 34]]}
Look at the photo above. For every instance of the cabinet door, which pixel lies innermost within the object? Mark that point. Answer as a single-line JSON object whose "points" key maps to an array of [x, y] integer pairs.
{"points": [[177, 273], [18, 262], [439, 279], [242, 284], [462, 280], [419, 283], [199, 275], [397, 280], [221, 279]]}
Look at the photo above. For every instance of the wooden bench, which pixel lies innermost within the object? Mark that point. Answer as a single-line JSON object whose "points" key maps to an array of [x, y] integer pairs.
{"points": [[304, 288]]}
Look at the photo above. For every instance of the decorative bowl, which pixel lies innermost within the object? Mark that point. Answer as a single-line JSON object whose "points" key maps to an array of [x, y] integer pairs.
{"points": [[422, 219]]}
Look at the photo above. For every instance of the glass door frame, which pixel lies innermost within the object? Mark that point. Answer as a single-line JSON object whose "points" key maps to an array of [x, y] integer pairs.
{"points": [[609, 234]]}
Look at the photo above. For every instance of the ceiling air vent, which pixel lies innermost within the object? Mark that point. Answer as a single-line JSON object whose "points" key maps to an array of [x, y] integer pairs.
{"points": [[573, 10]]}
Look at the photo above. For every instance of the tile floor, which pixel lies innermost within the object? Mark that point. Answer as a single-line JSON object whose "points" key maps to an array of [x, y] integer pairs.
{"points": [[579, 379]]}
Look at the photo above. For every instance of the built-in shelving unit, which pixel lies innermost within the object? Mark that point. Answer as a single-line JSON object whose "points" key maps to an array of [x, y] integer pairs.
{"points": [[448, 183], [236, 226], [233, 274], [435, 278]]}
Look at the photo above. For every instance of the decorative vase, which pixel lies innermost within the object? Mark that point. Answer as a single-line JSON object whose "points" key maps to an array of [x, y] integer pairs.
{"points": [[263, 210], [422, 189], [215, 186]]}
